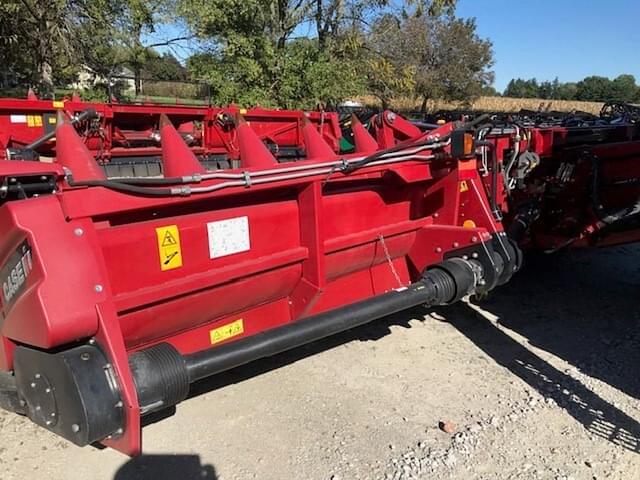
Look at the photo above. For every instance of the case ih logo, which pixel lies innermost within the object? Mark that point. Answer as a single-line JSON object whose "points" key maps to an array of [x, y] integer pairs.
{"points": [[14, 274]]}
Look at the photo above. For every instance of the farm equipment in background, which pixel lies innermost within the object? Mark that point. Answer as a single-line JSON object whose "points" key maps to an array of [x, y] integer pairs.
{"points": [[119, 293], [125, 138], [555, 180]]}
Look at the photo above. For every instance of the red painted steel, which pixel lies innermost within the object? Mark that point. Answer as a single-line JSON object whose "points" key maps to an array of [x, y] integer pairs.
{"points": [[267, 253], [132, 130]]}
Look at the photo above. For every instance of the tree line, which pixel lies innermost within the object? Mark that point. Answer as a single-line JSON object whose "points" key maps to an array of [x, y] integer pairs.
{"points": [[593, 88], [285, 53]]}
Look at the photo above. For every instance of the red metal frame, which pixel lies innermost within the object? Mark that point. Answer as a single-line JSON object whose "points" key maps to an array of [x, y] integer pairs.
{"points": [[315, 243], [130, 130]]}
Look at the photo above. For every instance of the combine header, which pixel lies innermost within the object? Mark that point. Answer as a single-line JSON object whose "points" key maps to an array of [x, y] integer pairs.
{"points": [[119, 293], [125, 138]]}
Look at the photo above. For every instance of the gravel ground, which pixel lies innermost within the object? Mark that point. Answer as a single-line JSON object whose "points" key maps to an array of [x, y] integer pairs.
{"points": [[538, 382]]}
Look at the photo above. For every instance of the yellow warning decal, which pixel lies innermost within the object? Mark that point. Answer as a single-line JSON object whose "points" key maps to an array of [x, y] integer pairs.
{"points": [[227, 331], [34, 121], [169, 247], [58, 104], [52, 120], [463, 186]]}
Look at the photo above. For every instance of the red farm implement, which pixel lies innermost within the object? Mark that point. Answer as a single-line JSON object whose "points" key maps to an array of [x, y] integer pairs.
{"points": [[125, 138], [119, 293]]}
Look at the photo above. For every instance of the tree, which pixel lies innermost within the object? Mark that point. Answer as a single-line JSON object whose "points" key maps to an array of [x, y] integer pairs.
{"points": [[567, 91], [623, 89], [520, 88], [44, 42], [253, 55], [428, 58], [164, 67], [594, 89]]}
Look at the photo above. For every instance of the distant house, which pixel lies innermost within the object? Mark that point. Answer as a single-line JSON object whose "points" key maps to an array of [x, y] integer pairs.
{"points": [[88, 78]]}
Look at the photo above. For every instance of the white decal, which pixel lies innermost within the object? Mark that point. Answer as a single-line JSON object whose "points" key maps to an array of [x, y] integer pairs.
{"points": [[227, 237]]}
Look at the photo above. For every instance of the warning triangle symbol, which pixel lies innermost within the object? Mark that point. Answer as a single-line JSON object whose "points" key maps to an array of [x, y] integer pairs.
{"points": [[168, 239]]}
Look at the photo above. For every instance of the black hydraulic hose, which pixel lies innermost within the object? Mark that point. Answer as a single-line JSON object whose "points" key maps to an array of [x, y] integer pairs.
{"points": [[396, 148], [88, 114], [477, 121], [124, 188]]}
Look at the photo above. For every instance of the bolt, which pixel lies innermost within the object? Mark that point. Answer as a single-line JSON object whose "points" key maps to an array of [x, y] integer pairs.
{"points": [[474, 239], [119, 404], [456, 244], [53, 414], [482, 281], [465, 257], [48, 422], [23, 403], [85, 356], [119, 431], [391, 117], [33, 385], [47, 390], [78, 232], [38, 408], [436, 215], [37, 375], [98, 288], [438, 250], [92, 341], [474, 254], [75, 428]]}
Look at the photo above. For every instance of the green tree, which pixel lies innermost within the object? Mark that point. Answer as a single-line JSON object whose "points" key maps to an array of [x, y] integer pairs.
{"points": [[623, 89], [567, 91], [429, 58], [520, 88], [254, 57], [594, 89]]}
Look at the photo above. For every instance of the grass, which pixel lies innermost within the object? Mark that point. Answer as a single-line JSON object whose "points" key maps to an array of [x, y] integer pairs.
{"points": [[490, 104]]}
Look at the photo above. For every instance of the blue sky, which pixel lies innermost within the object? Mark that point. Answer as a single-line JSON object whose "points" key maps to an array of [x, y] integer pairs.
{"points": [[570, 39]]}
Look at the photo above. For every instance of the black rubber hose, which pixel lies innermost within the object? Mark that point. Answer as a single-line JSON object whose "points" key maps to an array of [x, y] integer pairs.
{"points": [[124, 188], [396, 148]]}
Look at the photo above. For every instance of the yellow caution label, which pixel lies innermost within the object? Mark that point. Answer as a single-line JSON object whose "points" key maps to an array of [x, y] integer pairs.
{"points": [[52, 120], [463, 186], [243, 111], [58, 104], [227, 331], [34, 121], [169, 247]]}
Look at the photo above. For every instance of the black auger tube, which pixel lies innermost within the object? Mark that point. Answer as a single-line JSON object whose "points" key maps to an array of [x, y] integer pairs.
{"points": [[161, 373]]}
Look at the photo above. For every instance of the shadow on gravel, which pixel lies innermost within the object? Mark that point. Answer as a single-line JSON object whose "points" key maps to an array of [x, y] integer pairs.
{"points": [[165, 467], [596, 414], [583, 308]]}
